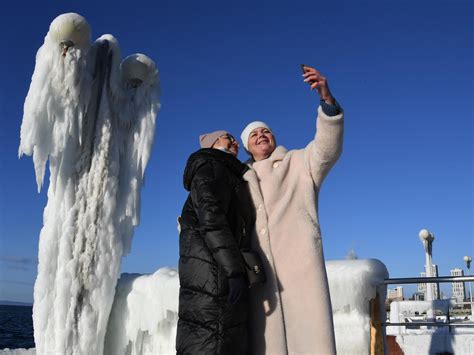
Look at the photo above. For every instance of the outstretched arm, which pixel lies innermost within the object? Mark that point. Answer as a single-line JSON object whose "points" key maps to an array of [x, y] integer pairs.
{"points": [[322, 152]]}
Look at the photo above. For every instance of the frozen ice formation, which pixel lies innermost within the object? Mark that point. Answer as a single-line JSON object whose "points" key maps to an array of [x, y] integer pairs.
{"points": [[96, 131], [144, 314]]}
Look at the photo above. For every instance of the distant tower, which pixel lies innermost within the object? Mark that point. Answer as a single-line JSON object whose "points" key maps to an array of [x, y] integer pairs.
{"points": [[467, 259], [458, 289], [422, 286], [427, 239]]}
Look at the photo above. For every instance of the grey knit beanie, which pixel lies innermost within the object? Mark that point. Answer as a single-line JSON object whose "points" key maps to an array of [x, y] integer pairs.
{"points": [[207, 140]]}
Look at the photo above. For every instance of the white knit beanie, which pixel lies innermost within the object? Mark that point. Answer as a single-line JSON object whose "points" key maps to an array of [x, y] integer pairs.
{"points": [[247, 130]]}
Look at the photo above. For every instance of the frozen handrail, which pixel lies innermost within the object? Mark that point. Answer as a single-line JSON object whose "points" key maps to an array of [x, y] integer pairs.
{"points": [[415, 280], [436, 324]]}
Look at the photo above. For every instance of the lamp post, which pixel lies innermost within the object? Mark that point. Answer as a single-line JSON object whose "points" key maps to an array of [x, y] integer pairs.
{"points": [[467, 260], [427, 239]]}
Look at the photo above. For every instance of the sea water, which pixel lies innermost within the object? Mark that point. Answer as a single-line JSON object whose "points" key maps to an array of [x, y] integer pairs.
{"points": [[16, 327]]}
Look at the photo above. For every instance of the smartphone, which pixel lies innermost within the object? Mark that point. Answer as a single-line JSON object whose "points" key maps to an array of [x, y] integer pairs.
{"points": [[302, 69]]}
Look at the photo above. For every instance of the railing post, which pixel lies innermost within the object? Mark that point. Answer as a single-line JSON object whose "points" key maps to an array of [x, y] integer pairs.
{"points": [[395, 317], [376, 331], [448, 320]]}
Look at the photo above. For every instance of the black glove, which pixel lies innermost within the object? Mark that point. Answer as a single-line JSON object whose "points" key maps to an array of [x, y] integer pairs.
{"points": [[237, 288]]}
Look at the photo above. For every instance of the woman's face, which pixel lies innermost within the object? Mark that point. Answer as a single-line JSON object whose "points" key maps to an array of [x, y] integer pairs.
{"points": [[227, 142], [261, 143]]}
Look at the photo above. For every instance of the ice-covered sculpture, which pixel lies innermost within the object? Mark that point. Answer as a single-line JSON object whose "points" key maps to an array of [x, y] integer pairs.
{"points": [[96, 130]]}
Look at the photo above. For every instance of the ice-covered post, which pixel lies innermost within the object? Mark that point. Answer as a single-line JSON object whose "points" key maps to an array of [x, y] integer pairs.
{"points": [[93, 118], [467, 260], [427, 239]]}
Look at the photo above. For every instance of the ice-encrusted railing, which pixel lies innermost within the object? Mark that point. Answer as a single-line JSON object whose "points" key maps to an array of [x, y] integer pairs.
{"points": [[399, 310], [413, 335], [144, 314]]}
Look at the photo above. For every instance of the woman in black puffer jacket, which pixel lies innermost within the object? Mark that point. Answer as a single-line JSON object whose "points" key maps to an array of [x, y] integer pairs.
{"points": [[214, 223]]}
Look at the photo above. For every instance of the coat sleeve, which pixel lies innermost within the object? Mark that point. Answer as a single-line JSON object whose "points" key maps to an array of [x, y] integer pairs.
{"points": [[211, 196], [323, 151]]}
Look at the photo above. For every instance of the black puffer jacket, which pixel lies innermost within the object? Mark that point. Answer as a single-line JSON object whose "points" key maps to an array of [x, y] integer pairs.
{"points": [[214, 224]]}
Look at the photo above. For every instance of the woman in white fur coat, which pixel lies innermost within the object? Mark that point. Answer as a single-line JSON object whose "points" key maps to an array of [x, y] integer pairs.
{"points": [[291, 312]]}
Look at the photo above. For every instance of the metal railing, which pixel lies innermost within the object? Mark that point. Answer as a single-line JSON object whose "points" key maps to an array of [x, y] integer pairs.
{"points": [[436, 324], [423, 280], [439, 279]]}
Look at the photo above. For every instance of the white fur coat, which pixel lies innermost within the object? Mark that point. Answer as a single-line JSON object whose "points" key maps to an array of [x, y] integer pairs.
{"points": [[291, 313]]}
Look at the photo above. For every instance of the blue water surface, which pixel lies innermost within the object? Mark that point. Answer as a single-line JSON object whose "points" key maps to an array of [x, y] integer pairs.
{"points": [[16, 327]]}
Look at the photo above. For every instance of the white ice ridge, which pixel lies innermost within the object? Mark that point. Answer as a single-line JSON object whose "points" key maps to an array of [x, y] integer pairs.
{"points": [[95, 124], [144, 315], [145, 311], [352, 284]]}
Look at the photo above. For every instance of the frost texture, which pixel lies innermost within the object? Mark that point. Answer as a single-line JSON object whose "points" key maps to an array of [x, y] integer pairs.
{"points": [[97, 132], [144, 314], [352, 284]]}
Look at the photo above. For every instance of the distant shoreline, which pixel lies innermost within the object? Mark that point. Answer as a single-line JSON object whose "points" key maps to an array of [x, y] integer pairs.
{"points": [[13, 303]]}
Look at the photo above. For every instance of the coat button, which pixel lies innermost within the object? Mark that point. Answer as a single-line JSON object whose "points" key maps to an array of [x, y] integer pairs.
{"points": [[260, 207], [276, 164], [263, 231]]}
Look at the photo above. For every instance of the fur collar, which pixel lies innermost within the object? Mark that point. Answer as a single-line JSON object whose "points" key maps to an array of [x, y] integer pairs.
{"points": [[278, 154]]}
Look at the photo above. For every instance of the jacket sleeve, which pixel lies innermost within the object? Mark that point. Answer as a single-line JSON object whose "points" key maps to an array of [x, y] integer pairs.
{"points": [[323, 151], [211, 196]]}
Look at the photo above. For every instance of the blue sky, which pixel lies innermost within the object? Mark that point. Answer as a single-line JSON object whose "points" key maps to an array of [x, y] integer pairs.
{"points": [[402, 70]]}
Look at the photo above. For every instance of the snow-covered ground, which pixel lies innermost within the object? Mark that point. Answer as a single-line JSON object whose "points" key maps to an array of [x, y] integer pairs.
{"points": [[18, 352]]}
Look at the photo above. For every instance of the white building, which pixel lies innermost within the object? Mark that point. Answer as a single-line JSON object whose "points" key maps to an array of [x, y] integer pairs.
{"points": [[418, 296], [422, 286], [395, 294], [458, 291]]}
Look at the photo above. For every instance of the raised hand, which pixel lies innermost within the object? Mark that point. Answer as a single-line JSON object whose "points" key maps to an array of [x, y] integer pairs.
{"points": [[319, 82]]}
